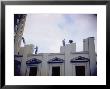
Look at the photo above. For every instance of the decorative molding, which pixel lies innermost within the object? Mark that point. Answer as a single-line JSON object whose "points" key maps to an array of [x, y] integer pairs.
{"points": [[51, 54], [33, 61], [82, 52], [79, 59], [56, 60]]}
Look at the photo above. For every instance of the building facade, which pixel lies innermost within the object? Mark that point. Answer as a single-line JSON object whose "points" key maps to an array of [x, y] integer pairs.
{"points": [[67, 62]]}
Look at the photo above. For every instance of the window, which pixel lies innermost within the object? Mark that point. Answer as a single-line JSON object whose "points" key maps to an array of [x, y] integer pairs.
{"points": [[33, 71], [80, 70], [56, 71]]}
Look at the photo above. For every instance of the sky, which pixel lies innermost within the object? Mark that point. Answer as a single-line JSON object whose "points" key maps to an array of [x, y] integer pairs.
{"points": [[48, 30]]}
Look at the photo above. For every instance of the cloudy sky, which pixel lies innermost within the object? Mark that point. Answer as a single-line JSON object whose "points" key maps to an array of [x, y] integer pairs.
{"points": [[48, 30]]}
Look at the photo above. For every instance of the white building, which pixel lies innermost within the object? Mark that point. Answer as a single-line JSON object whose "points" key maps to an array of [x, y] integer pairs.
{"points": [[66, 63]]}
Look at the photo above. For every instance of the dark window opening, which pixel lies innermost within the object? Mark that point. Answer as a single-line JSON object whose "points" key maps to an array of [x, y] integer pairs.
{"points": [[33, 71], [55, 71], [80, 70]]}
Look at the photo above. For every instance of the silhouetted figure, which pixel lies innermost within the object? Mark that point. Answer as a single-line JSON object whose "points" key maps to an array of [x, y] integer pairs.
{"points": [[23, 40], [70, 41], [36, 50], [63, 41]]}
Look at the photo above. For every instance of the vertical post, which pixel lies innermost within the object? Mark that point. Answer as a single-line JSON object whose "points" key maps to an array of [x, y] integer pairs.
{"points": [[88, 45], [92, 55], [28, 49], [44, 69]]}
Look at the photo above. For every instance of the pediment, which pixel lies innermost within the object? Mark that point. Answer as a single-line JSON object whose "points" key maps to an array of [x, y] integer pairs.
{"points": [[56, 60], [33, 61], [79, 59]]}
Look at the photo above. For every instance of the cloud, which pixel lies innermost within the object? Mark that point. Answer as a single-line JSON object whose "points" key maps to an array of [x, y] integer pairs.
{"points": [[48, 30]]}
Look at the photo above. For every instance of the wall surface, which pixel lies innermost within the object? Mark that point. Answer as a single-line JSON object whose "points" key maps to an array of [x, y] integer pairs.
{"points": [[67, 68]]}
